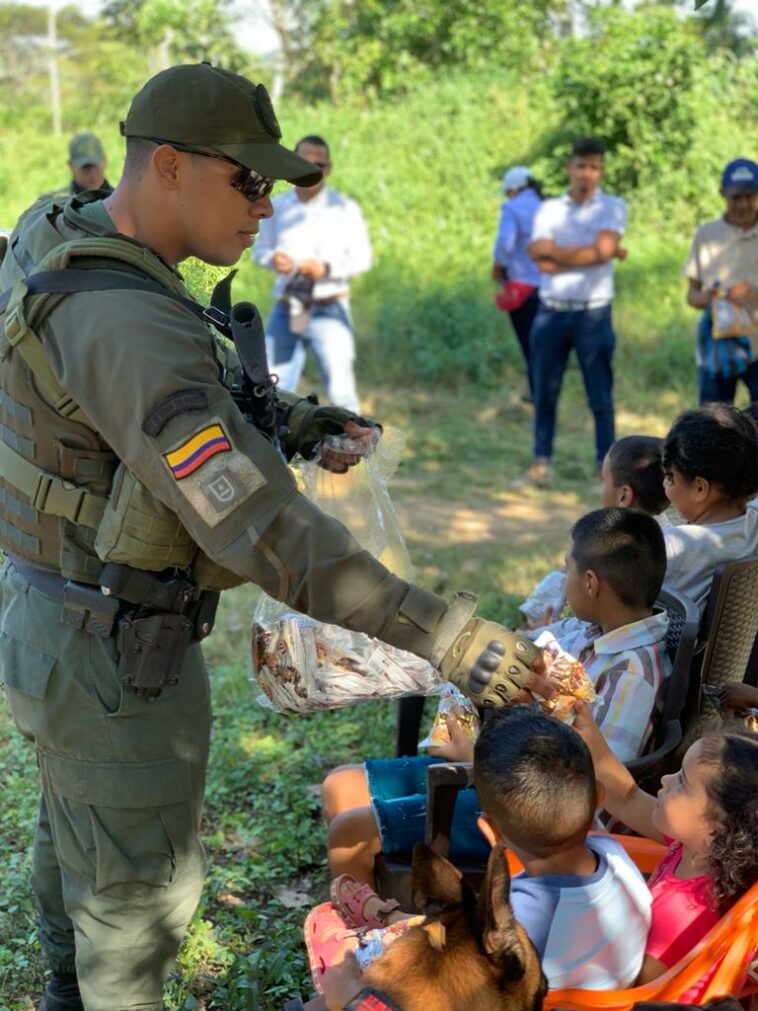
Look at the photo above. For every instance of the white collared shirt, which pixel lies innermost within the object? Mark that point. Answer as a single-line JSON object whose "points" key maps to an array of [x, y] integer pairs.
{"points": [[568, 223], [328, 227]]}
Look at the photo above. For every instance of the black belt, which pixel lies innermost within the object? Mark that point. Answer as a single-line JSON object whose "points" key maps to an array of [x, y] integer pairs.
{"points": [[51, 584]]}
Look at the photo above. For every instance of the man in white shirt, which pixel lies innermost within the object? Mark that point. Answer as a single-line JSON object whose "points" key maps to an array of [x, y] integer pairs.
{"points": [[315, 241], [575, 239]]}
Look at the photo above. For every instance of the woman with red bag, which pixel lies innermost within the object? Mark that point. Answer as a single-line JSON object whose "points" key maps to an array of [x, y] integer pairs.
{"points": [[512, 266]]}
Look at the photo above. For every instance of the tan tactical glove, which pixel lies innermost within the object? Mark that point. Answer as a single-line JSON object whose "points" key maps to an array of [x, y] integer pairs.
{"points": [[490, 664]]}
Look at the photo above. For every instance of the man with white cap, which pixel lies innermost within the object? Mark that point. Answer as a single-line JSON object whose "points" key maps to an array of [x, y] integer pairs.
{"points": [[511, 262]]}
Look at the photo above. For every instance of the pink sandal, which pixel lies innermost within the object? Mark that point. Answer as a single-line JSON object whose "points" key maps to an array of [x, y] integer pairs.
{"points": [[327, 940], [351, 897]]}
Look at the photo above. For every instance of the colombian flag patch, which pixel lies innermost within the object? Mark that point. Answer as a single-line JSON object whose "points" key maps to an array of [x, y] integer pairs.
{"points": [[196, 450]]}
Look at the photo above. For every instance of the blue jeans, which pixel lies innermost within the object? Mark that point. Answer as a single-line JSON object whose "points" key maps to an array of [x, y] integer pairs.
{"points": [[723, 388], [329, 334], [554, 334]]}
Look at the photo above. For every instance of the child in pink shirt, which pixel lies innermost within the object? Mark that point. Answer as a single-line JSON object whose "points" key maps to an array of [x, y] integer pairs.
{"points": [[707, 813]]}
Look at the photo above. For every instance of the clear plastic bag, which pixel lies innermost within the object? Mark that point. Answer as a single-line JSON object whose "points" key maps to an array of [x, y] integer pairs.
{"points": [[302, 665], [452, 703], [549, 592], [730, 320]]}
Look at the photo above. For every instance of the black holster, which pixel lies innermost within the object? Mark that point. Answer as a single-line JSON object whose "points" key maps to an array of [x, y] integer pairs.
{"points": [[153, 650]]}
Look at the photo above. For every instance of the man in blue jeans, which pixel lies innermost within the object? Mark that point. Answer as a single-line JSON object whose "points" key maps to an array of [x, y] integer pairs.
{"points": [[575, 239], [315, 241]]}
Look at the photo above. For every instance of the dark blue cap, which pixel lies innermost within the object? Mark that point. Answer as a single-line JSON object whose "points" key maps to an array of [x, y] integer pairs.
{"points": [[740, 176]]}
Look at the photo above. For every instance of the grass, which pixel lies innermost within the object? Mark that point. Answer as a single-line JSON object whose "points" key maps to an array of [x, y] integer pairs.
{"points": [[466, 527]]}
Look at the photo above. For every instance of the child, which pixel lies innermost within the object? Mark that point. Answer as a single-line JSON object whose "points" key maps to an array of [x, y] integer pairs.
{"points": [[581, 900], [710, 459], [708, 814], [615, 569], [631, 477]]}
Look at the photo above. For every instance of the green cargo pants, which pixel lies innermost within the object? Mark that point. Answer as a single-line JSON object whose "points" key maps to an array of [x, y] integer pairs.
{"points": [[118, 864]]}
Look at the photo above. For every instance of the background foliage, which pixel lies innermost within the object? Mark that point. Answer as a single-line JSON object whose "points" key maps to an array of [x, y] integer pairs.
{"points": [[425, 103]]}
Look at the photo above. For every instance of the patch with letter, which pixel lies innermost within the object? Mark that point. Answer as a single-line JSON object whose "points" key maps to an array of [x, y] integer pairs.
{"points": [[212, 474], [197, 450]]}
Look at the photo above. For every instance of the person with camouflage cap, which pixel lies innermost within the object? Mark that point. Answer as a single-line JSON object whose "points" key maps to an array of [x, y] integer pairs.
{"points": [[87, 162], [135, 483]]}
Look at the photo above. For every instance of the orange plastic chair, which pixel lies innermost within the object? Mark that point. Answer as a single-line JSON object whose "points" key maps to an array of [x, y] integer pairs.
{"points": [[731, 945]]}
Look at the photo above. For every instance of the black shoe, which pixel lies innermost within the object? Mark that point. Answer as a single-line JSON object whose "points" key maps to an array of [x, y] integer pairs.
{"points": [[61, 994]]}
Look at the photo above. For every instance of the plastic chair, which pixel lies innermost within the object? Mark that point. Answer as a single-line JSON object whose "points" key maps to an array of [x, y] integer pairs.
{"points": [[729, 630]]}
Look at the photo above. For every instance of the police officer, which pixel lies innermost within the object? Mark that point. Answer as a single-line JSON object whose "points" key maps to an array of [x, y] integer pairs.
{"points": [[87, 162], [127, 464]]}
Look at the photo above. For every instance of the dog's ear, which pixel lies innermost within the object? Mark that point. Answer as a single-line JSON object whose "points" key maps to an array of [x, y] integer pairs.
{"points": [[500, 938], [437, 885]]}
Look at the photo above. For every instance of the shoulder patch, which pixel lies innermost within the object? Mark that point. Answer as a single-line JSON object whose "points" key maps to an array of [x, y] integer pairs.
{"points": [[212, 474], [170, 407]]}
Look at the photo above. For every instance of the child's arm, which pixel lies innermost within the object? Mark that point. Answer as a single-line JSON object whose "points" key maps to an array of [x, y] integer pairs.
{"points": [[738, 696], [461, 746], [623, 798]]}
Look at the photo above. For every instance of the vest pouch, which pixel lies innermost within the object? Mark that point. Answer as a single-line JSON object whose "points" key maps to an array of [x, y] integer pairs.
{"points": [[137, 529], [209, 575]]}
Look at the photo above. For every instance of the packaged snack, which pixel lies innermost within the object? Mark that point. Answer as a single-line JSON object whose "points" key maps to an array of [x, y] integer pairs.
{"points": [[570, 677], [302, 666], [452, 703], [549, 592]]}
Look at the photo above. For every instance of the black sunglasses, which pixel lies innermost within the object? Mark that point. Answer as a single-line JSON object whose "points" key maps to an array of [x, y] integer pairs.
{"points": [[250, 184]]}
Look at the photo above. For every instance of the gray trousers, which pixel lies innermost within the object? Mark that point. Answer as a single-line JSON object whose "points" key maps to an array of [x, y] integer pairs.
{"points": [[118, 864]]}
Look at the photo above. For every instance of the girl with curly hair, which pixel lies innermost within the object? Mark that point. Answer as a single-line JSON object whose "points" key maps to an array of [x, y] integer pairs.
{"points": [[707, 814]]}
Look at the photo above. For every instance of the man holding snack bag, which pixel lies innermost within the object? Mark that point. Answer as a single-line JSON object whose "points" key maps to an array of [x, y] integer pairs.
{"points": [[612, 653], [123, 516]]}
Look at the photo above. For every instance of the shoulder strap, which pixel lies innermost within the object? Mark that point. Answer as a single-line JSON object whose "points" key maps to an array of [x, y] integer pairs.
{"points": [[73, 279]]}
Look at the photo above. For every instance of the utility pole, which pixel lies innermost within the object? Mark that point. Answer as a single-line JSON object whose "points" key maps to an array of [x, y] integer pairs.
{"points": [[52, 67]]}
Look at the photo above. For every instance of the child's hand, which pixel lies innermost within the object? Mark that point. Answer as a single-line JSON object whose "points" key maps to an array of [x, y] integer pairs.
{"points": [[738, 696], [587, 729], [341, 983], [546, 618], [460, 748]]}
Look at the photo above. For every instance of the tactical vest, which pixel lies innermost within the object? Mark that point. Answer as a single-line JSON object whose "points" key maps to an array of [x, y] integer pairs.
{"points": [[66, 502]]}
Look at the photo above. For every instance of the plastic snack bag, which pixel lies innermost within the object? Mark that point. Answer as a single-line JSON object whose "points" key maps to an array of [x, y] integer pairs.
{"points": [[302, 665], [549, 592], [452, 703], [730, 320], [570, 677]]}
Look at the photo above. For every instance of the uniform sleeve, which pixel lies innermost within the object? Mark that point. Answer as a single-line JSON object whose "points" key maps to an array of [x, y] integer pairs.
{"points": [[265, 244], [507, 232], [353, 255], [144, 371], [628, 695]]}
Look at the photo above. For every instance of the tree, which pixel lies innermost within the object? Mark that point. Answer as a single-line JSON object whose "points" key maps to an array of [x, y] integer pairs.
{"points": [[385, 47], [178, 31]]}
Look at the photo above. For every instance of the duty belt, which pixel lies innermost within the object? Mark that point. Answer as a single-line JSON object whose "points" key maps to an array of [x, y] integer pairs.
{"points": [[154, 618]]}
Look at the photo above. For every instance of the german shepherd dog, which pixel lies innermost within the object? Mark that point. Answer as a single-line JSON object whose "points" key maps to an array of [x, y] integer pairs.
{"points": [[470, 955]]}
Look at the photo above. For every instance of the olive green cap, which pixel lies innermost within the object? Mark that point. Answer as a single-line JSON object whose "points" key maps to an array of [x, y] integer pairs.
{"points": [[85, 149], [204, 106]]}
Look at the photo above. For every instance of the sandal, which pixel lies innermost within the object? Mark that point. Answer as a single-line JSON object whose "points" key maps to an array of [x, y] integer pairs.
{"points": [[352, 897], [327, 939]]}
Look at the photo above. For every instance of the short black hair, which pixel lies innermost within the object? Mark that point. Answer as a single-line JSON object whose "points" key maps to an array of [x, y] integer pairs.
{"points": [[626, 548], [584, 146], [138, 153], [313, 138], [535, 780], [637, 460], [717, 442], [752, 410]]}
